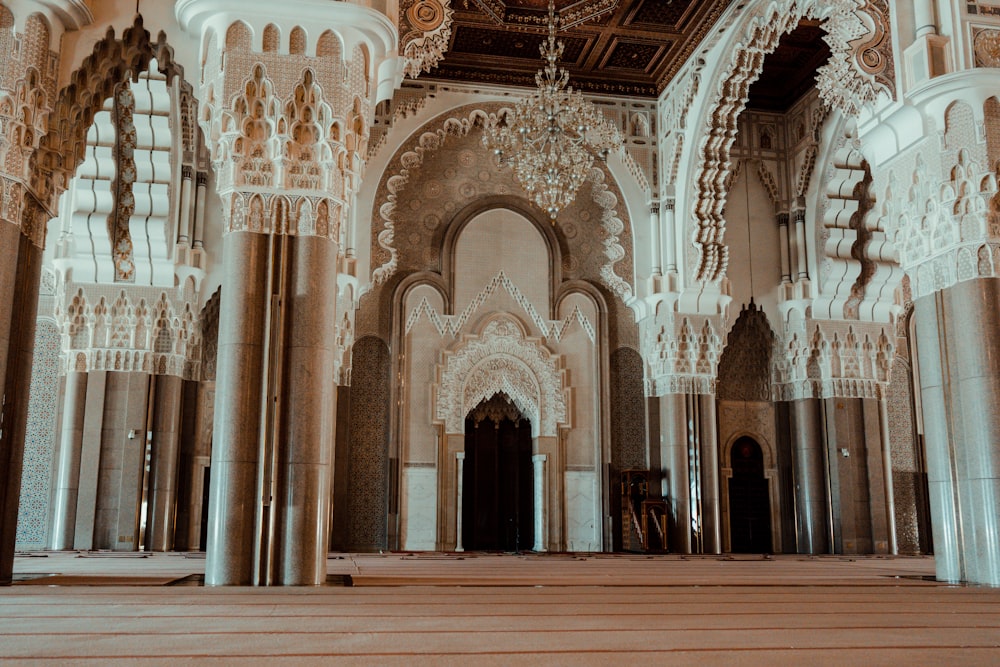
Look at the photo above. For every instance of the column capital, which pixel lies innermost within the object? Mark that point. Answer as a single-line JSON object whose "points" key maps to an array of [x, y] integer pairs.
{"points": [[834, 359], [62, 15]]}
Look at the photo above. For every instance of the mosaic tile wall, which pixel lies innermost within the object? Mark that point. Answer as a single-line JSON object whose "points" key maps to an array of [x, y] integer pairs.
{"points": [[628, 411], [369, 445], [33, 512]]}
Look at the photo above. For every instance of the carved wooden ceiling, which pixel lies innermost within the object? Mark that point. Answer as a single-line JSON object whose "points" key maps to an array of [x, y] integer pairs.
{"points": [[621, 47]]}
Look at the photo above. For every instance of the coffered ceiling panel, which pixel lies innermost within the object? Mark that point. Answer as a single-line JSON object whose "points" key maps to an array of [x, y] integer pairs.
{"points": [[623, 47], [629, 47]]}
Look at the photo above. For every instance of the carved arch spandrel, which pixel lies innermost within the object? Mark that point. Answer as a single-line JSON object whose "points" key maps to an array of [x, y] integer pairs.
{"points": [[604, 209]]}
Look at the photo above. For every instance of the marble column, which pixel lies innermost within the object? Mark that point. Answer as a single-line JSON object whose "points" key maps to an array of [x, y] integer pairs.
{"points": [[459, 488], [670, 245], [711, 522], [890, 496], [809, 478], [956, 333], [541, 513], [783, 242], [801, 264], [656, 254], [676, 480], [66, 485], [306, 433], [20, 272], [164, 463], [237, 428]]}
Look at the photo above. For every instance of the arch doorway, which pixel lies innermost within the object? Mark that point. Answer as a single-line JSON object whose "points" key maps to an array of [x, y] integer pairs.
{"points": [[749, 501], [497, 500]]}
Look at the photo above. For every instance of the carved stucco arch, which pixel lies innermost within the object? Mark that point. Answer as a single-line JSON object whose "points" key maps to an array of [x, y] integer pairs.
{"points": [[113, 60], [860, 68], [501, 359], [460, 122]]}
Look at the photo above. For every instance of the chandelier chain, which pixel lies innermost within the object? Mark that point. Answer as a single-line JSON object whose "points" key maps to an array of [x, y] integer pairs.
{"points": [[550, 138]]}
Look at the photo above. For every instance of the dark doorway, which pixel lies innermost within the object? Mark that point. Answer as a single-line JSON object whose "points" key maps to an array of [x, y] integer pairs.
{"points": [[497, 500], [749, 501], [203, 533]]}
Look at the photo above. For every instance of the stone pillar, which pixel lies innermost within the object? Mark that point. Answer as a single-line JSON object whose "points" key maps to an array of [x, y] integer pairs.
{"points": [[801, 263], [66, 485], [284, 203], [201, 193], [811, 509], [161, 505], [238, 405], [654, 241], [676, 480], [541, 514], [19, 279], [670, 247], [956, 330], [459, 488], [890, 496], [786, 262], [306, 430], [925, 21], [709, 452], [31, 199]]}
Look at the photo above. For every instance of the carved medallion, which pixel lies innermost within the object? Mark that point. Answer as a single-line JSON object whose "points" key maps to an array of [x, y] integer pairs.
{"points": [[986, 45], [426, 15]]}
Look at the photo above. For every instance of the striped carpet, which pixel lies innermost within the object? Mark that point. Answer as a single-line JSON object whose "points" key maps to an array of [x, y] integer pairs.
{"points": [[461, 609]]}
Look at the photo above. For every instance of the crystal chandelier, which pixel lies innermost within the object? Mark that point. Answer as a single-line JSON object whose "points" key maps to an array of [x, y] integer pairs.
{"points": [[551, 136]]}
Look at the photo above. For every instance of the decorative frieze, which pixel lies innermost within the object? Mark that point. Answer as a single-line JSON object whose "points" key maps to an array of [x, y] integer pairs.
{"points": [[129, 329], [682, 353], [833, 359], [452, 325]]}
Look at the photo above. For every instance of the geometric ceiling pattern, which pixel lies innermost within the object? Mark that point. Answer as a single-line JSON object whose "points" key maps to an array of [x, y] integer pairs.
{"points": [[617, 47]]}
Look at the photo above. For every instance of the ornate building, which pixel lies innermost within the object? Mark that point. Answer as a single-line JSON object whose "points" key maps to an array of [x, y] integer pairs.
{"points": [[267, 292]]}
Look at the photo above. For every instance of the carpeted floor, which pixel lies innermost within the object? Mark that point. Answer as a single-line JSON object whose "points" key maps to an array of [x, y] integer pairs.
{"points": [[462, 609]]}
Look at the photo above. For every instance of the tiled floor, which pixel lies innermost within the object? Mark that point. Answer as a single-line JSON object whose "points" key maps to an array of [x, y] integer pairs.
{"points": [[453, 609]]}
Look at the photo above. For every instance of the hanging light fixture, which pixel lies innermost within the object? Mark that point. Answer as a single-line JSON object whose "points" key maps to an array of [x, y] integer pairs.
{"points": [[550, 138]]}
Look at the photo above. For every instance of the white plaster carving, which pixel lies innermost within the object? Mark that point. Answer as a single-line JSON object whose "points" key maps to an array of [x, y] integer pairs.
{"points": [[828, 359], [452, 325], [844, 83], [459, 123], [682, 353], [501, 359], [135, 329]]}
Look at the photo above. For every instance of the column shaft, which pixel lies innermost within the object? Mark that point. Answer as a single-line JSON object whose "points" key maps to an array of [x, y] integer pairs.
{"points": [[164, 464], [306, 429], [811, 512], [670, 247], [890, 496], [656, 253], [20, 272], [709, 451], [541, 525], [236, 438], [960, 389], [786, 263], [66, 485], [459, 488], [676, 480]]}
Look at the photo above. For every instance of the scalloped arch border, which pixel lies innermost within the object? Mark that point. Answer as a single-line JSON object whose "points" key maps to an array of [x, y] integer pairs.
{"points": [[460, 122]]}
